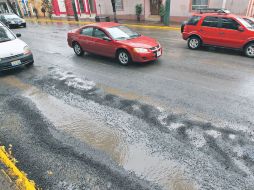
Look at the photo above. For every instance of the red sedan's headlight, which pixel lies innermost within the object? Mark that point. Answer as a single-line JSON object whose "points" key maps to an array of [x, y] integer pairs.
{"points": [[141, 50]]}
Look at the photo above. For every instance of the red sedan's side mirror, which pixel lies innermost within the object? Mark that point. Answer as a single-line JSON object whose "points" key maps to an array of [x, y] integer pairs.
{"points": [[240, 28], [106, 38]]}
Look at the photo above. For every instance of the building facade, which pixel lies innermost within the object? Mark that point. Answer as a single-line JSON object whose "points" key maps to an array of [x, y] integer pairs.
{"points": [[179, 9], [84, 8], [4, 7]]}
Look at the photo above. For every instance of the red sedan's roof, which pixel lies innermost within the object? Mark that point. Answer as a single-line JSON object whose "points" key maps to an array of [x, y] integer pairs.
{"points": [[104, 24]]}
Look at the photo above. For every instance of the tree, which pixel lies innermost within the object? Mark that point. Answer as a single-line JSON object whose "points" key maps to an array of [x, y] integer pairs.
{"points": [[139, 10], [162, 12], [46, 7]]}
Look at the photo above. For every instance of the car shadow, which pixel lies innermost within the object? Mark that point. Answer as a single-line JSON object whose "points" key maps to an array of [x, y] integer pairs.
{"points": [[14, 71], [221, 50], [98, 59]]}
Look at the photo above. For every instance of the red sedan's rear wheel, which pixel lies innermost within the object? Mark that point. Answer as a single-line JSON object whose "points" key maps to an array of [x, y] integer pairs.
{"points": [[78, 49]]}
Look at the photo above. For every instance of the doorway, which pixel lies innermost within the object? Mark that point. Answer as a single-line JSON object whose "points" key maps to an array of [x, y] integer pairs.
{"points": [[155, 7]]}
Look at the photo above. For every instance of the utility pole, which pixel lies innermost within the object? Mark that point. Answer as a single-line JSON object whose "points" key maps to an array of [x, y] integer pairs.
{"points": [[114, 9], [166, 19], [74, 10], [224, 4]]}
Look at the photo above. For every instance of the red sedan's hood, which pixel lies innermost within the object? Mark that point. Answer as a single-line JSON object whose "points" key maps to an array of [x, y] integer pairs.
{"points": [[141, 41]]}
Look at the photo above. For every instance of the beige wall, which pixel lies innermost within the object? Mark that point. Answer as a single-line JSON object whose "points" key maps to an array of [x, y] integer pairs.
{"points": [[180, 8], [237, 7], [128, 7], [179, 11]]}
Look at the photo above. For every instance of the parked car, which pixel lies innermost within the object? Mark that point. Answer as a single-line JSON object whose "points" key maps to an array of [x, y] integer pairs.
{"points": [[250, 20], [116, 41], [13, 51], [12, 20], [219, 28]]}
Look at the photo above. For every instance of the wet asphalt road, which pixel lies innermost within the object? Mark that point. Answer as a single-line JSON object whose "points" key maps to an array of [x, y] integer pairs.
{"points": [[183, 122]]}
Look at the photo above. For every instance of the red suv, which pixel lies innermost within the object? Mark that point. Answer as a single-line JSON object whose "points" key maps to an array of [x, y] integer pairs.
{"points": [[218, 27]]}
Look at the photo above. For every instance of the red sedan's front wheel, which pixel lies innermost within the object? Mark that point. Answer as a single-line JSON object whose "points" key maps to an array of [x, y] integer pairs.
{"points": [[78, 49], [123, 57]]}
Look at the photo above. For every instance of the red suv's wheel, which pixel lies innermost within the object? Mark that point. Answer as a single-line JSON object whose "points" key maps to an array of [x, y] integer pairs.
{"points": [[194, 42], [249, 50]]}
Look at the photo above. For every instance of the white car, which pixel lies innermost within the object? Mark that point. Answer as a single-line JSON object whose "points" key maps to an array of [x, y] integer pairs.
{"points": [[13, 51]]}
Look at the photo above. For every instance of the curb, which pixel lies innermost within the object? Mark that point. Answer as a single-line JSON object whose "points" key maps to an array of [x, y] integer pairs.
{"points": [[14, 174], [84, 23]]}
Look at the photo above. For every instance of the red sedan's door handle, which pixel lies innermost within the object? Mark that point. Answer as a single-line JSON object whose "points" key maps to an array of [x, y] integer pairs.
{"points": [[221, 33]]}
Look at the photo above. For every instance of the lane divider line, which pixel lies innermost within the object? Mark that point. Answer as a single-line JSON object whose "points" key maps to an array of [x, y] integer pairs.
{"points": [[21, 180], [85, 22]]}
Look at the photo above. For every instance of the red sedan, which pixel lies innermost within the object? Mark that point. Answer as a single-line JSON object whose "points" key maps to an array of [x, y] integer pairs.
{"points": [[114, 40]]}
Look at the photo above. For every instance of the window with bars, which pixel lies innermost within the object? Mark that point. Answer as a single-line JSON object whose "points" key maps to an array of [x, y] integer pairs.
{"points": [[199, 4], [119, 5]]}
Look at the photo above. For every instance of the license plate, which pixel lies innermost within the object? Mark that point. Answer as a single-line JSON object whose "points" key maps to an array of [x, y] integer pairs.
{"points": [[15, 63], [158, 53]]}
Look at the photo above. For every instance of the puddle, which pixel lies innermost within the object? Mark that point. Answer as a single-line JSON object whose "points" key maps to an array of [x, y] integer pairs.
{"points": [[134, 157], [154, 167]]}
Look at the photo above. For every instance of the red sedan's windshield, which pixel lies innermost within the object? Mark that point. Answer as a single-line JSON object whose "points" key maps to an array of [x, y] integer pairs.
{"points": [[122, 33]]}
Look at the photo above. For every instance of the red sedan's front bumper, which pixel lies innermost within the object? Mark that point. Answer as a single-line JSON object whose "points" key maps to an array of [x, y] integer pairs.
{"points": [[146, 57]]}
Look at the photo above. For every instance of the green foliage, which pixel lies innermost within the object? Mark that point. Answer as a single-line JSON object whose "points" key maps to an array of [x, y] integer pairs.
{"points": [[162, 10], [139, 9], [47, 7]]}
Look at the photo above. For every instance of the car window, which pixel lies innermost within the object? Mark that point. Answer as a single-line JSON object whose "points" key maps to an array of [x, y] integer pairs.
{"points": [[249, 21], [193, 20], [211, 21], [245, 23], [122, 33], [11, 16], [229, 23], [99, 33], [87, 31], [5, 35]]}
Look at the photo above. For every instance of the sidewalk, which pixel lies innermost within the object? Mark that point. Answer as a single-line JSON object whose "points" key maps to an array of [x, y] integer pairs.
{"points": [[142, 24]]}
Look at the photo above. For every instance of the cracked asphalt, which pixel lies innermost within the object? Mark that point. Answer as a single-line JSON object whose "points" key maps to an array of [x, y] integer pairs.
{"points": [[182, 122]]}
